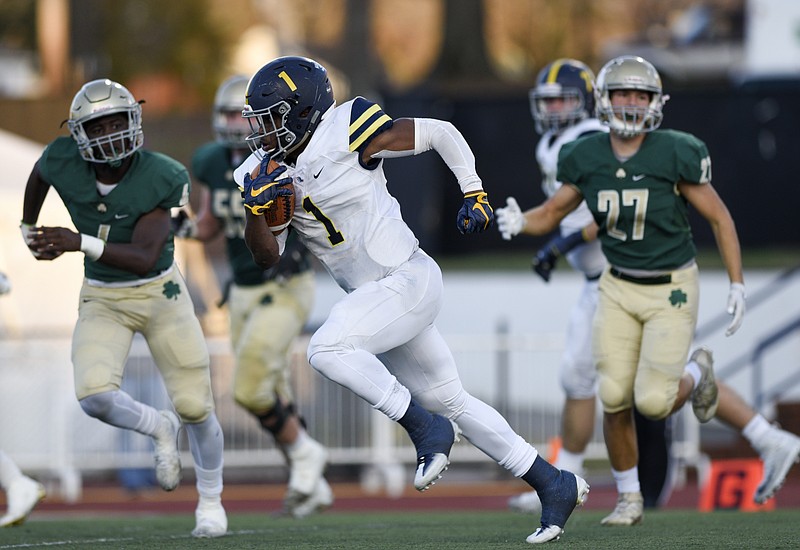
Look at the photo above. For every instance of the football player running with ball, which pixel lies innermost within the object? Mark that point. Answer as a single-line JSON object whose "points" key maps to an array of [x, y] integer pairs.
{"points": [[268, 309], [380, 340], [562, 106], [119, 198], [638, 182]]}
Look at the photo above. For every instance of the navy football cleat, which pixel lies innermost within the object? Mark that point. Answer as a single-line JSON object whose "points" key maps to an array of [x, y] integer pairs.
{"points": [[567, 492], [433, 451]]}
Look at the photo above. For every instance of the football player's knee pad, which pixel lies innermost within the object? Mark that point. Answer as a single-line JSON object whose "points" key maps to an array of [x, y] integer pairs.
{"points": [[318, 359], [255, 395], [261, 396], [189, 390], [324, 358], [654, 405], [325, 344], [192, 407], [274, 419], [614, 396], [98, 405]]}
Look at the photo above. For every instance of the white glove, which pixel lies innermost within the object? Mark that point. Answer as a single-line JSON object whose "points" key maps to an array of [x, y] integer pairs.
{"points": [[510, 220], [26, 230], [735, 307], [5, 284]]}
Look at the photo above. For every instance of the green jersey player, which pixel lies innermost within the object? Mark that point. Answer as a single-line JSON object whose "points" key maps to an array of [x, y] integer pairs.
{"points": [[638, 182], [562, 105], [268, 309], [119, 197]]}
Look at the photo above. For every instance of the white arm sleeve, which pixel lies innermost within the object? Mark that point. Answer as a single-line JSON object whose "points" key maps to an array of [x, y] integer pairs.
{"points": [[445, 139], [245, 168], [387, 154], [282, 238]]}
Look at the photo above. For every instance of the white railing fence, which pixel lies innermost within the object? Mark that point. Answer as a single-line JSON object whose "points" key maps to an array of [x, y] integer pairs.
{"points": [[47, 433]]}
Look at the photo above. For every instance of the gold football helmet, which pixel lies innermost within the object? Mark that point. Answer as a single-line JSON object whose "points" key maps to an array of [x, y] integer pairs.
{"points": [[97, 99], [629, 72], [230, 128]]}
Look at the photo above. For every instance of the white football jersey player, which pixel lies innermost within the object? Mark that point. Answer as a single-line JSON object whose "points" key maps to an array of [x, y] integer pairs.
{"points": [[343, 212], [380, 340], [587, 258], [547, 156]]}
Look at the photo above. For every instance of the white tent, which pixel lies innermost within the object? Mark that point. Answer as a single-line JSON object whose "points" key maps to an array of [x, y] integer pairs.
{"points": [[44, 294]]}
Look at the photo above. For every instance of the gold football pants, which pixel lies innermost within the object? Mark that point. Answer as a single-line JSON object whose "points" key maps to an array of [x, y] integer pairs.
{"points": [[162, 311], [265, 319], [641, 339]]}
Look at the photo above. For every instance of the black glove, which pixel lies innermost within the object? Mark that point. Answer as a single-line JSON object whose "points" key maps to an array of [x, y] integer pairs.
{"points": [[183, 225], [545, 260], [476, 214]]}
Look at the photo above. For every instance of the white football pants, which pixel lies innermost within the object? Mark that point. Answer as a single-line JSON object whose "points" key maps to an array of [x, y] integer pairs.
{"points": [[393, 319]]}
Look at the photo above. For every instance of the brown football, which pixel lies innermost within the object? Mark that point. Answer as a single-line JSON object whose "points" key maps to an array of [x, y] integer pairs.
{"points": [[279, 215]]}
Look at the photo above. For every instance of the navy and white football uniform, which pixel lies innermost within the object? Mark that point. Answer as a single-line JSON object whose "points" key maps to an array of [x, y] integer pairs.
{"points": [[380, 340]]}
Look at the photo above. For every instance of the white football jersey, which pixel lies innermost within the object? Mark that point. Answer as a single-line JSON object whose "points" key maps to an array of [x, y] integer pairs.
{"points": [[344, 213], [547, 157]]}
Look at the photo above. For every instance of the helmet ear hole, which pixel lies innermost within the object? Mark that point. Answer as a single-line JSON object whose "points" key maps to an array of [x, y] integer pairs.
{"points": [[301, 124]]}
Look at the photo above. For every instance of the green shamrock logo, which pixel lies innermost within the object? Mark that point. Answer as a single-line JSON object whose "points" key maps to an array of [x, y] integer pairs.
{"points": [[677, 297], [171, 290]]}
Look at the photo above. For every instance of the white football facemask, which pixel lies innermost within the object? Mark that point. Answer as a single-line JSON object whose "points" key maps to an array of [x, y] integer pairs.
{"points": [[629, 73], [101, 98]]}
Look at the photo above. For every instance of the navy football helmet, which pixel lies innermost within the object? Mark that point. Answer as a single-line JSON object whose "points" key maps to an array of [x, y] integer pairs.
{"points": [[570, 81], [285, 102]]}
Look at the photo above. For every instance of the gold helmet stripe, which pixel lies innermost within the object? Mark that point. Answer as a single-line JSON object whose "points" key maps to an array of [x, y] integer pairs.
{"points": [[552, 75], [286, 78]]}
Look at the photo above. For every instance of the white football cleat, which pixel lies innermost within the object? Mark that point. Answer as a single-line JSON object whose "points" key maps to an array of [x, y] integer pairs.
{"points": [[705, 397], [211, 520], [429, 470], [628, 511], [306, 466], [320, 500], [167, 458], [781, 451], [23, 495], [526, 503]]}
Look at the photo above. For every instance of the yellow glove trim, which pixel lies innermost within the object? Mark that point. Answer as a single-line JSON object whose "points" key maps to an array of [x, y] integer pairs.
{"points": [[481, 199], [259, 209]]}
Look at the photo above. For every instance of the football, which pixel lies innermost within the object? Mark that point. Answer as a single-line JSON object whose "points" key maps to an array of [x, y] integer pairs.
{"points": [[279, 215]]}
